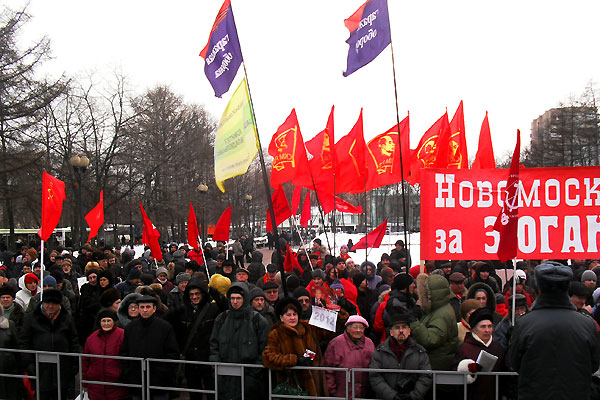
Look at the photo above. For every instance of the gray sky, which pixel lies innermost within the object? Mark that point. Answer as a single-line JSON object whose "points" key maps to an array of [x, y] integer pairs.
{"points": [[515, 59]]}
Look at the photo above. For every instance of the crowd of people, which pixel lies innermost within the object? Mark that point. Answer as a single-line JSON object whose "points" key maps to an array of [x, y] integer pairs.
{"points": [[226, 306]]}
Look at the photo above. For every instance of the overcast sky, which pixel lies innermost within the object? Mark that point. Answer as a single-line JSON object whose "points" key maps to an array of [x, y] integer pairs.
{"points": [[515, 59]]}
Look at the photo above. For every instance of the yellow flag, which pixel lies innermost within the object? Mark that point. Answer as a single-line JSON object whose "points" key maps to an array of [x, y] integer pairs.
{"points": [[236, 143]]}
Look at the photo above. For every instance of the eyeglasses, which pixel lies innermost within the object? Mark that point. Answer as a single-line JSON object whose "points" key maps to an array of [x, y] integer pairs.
{"points": [[195, 294], [304, 300]]}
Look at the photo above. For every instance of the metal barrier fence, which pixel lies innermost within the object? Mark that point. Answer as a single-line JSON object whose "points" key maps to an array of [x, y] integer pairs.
{"points": [[218, 370]]}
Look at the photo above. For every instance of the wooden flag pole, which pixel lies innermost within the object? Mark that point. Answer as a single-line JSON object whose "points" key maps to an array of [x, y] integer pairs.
{"points": [[404, 197]]}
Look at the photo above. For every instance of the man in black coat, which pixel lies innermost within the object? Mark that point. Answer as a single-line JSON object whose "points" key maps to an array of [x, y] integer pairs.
{"points": [[193, 322], [554, 349], [149, 337], [48, 328]]}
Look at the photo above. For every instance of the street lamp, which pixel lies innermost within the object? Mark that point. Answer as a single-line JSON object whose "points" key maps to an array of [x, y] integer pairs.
{"points": [[79, 165], [248, 199], [203, 189]]}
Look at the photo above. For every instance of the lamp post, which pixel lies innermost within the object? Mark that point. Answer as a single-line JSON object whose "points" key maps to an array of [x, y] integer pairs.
{"points": [[203, 189], [248, 199], [79, 165]]}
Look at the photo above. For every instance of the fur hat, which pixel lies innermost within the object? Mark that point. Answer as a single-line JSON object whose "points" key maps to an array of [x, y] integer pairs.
{"points": [[182, 277], [272, 268], [109, 297], [53, 296], [221, 283], [402, 281], [481, 314], [107, 313], [6, 290], [284, 304], [161, 270], [270, 285]]}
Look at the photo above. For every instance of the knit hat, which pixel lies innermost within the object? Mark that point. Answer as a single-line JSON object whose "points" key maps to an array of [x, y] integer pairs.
{"points": [[402, 281], [182, 277], [358, 278], [31, 277], [134, 273], [270, 285], [336, 285], [292, 282], [481, 314], [383, 288], [50, 281], [107, 313], [53, 296], [301, 292], [596, 295], [589, 276], [284, 304], [256, 292], [578, 289], [357, 318], [521, 301], [161, 270], [318, 273], [109, 297], [221, 283]]}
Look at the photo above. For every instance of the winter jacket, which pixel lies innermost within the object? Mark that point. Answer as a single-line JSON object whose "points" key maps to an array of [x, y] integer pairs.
{"points": [[125, 288], [491, 299], [437, 330], [89, 305], [174, 298], [15, 314], [240, 336], [60, 335], [10, 388], [149, 338], [103, 369], [555, 350], [386, 385], [343, 352], [237, 248], [24, 295], [372, 278], [256, 269], [484, 386], [34, 302], [285, 345]]}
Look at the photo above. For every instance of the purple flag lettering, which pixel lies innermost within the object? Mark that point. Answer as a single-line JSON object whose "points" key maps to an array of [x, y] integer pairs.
{"points": [[369, 30], [222, 54]]}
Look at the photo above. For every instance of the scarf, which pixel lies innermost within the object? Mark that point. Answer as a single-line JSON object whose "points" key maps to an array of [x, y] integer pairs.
{"points": [[397, 348]]}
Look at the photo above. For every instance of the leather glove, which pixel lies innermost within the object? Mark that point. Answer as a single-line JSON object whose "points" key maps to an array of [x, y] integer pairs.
{"points": [[474, 367], [303, 361]]}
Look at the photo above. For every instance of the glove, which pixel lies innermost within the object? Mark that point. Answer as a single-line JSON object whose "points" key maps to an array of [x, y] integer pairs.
{"points": [[474, 367], [214, 293], [303, 361], [402, 396]]}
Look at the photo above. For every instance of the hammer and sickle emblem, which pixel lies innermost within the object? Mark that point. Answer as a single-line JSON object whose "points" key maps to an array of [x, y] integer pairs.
{"points": [[50, 192], [512, 202]]}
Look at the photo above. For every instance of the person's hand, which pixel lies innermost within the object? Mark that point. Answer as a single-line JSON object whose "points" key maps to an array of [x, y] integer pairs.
{"points": [[589, 309], [303, 361], [474, 367]]}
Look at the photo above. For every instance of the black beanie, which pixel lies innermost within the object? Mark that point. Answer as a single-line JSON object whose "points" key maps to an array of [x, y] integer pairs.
{"points": [[358, 278], [300, 292], [402, 281]]}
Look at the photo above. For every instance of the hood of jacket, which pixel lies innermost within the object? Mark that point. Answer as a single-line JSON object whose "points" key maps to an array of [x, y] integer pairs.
{"points": [[196, 284], [257, 256], [363, 269], [126, 302], [245, 294], [434, 291], [491, 296]]}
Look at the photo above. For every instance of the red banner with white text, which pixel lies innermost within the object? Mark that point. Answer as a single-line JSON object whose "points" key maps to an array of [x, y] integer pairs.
{"points": [[558, 213]]}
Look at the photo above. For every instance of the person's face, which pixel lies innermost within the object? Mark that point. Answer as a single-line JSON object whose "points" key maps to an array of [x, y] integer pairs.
{"points": [[146, 309], [182, 285], [484, 275], [385, 263], [341, 266], [271, 275], [272, 295], [51, 308], [3, 280], [398, 247], [227, 269], [344, 251], [162, 276], [27, 257], [446, 270], [115, 305], [103, 263], [578, 302], [173, 249], [520, 310], [195, 296], [594, 264], [104, 282], [36, 270], [290, 318], [484, 330], [59, 261], [133, 310], [337, 292], [6, 301], [112, 261], [412, 287], [237, 300], [316, 246], [258, 303], [482, 298], [318, 281], [93, 279], [351, 265], [313, 262], [369, 270], [219, 263], [356, 330], [590, 284], [304, 302], [26, 269], [400, 332], [457, 287], [107, 324], [332, 274], [53, 258], [241, 277], [66, 267], [32, 286]]}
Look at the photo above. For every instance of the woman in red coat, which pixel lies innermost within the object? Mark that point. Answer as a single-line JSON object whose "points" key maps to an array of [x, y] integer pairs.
{"points": [[105, 341]]}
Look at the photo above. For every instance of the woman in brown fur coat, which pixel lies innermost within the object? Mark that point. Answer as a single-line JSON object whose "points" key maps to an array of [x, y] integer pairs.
{"points": [[292, 342]]}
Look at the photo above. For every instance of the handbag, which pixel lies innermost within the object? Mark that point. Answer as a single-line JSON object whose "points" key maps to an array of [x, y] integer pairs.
{"points": [[287, 389]]}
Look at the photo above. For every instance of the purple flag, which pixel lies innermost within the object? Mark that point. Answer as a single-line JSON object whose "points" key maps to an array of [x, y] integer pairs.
{"points": [[369, 30], [222, 54]]}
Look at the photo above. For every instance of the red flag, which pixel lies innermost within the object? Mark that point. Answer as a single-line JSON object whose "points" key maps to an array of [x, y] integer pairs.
{"points": [[426, 153], [192, 229], [221, 232], [372, 239], [53, 195], [281, 207], [456, 155], [350, 153], [322, 164], [345, 207], [507, 223], [150, 235], [484, 159], [95, 218], [290, 162], [305, 217], [383, 158], [296, 199], [291, 260]]}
